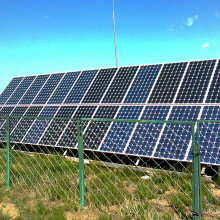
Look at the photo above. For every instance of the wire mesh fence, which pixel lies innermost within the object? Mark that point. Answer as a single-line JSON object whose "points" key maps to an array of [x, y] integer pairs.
{"points": [[209, 137], [132, 169]]}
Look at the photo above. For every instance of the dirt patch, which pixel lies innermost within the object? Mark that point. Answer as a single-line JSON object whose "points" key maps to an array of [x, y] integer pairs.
{"points": [[9, 209], [85, 214]]}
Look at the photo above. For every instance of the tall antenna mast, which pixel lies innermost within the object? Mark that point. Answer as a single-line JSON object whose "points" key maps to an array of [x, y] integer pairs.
{"points": [[116, 58]]}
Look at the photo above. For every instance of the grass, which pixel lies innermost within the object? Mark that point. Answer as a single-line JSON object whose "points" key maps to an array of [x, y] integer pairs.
{"points": [[47, 187]]}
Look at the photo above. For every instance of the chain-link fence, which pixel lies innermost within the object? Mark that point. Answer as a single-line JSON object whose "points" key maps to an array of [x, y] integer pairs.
{"points": [[128, 169]]}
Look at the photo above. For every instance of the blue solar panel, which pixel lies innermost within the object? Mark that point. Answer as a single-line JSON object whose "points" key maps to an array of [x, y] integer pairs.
{"points": [[99, 86], [209, 136], [68, 138], [21, 89], [168, 83], [183, 82], [142, 84], [63, 88], [96, 130], [81, 86], [120, 85], [120, 132], [40, 125], [48, 88], [56, 128], [195, 82], [9, 89], [34, 89], [146, 135], [214, 91], [175, 139], [23, 125]]}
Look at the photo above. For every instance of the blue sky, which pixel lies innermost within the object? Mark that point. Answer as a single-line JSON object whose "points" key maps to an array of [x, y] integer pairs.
{"points": [[49, 36]]}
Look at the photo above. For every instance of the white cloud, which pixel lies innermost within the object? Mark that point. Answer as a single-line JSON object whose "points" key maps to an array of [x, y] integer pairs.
{"points": [[205, 45], [191, 20]]}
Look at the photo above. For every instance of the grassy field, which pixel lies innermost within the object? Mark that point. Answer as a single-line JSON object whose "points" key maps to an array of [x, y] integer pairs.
{"points": [[47, 187]]}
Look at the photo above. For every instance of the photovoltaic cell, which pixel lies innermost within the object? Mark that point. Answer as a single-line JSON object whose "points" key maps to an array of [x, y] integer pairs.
{"points": [[68, 138], [146, 134], [96, 130], [81, 86], [34, 89], [175, 139], [99, 86], [168, 83], [57, 126], [142, 84], [48, 88], [209, 136], [38, 127], [120, 132], [120, 84], [214, 91], [196, 82], [6, 110], [9, 89], [23, 125], [63, 88], [21, 89]]}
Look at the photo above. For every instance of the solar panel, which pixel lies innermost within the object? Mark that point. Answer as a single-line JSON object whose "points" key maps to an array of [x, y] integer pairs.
{"points": [[116, 138], [96, 130], [145, 135], [99, 86], [19, 131], [196, 81], [21, 89], [171, 91], [34, 89], [48, 88], [39, 125], [175, 139], [63, 88], [168, 82], [56, 128], [68, 137], [81, 86], [142, 84], [10, 89], [214, 91], [120, 84], [209, 136]]}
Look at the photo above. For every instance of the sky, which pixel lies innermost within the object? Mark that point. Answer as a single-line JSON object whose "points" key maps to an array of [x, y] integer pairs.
{"points": [[38, 37]]}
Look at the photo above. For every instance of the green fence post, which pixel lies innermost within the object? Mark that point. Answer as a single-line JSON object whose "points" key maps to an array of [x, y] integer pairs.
{"points": [[196, 177], [200, 179], [7, 152], [81, 161]]}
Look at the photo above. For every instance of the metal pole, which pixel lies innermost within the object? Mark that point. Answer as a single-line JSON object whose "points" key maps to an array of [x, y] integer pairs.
{"points": [[81, 161], [113, 13], [7, 152], [196, 179]]}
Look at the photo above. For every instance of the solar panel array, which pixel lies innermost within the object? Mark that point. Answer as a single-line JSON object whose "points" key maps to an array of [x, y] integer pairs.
{"points": [[186, 91]]}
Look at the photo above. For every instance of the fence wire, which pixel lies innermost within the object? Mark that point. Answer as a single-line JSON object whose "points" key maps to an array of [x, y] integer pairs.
{"points": [[132, 169], [209, 138]]}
